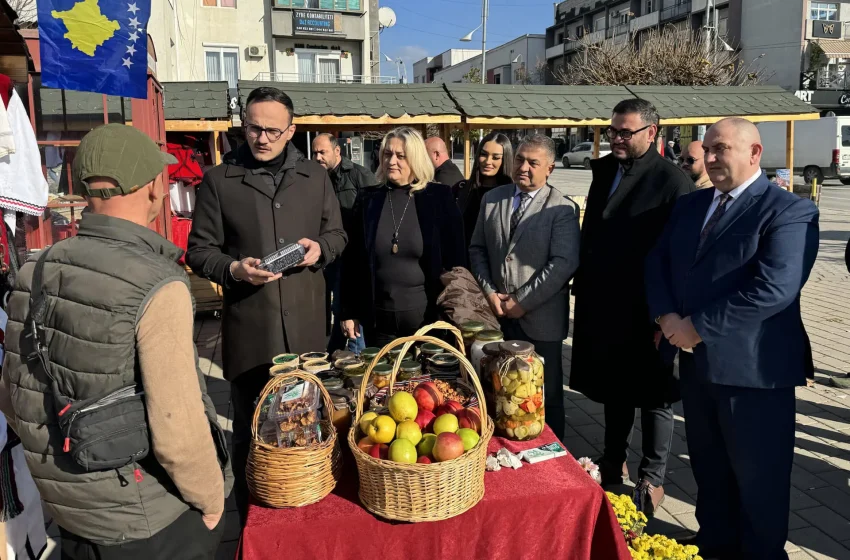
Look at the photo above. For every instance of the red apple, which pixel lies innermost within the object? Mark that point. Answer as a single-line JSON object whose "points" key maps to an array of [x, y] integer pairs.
{"points": [[425, 419], [451, 407], [424, 460], [366, 444], [448, 446], [381, 450], [428, 396], [469, 418]]}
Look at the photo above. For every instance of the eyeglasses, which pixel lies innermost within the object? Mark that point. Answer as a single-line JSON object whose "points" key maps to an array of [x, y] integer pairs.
{"points": [[625, 134], [254, 131], [689, 160]]}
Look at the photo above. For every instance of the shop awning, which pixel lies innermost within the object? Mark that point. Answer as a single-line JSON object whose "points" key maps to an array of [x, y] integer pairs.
{"points": [[836, 49]]}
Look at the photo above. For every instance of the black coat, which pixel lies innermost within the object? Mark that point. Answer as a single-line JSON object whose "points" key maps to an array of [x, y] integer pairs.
{"points": [[442, 240], [348, 179], [239, 214], [614, 359], [448, 174]]}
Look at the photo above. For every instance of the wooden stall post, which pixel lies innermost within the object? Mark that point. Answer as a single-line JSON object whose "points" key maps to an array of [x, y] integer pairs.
{"points": [[789, 152], [466, 151], [596, 140], [217, 154]]}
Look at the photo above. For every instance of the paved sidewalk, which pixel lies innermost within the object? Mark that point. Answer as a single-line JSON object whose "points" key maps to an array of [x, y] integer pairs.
{"points": [[820, 520]]}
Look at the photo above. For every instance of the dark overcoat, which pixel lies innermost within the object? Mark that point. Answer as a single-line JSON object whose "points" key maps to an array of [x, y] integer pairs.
{"points": [[242, 211], [614, 359]]}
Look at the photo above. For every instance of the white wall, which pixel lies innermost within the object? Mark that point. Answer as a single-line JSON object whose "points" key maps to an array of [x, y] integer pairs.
{"points": [[775, 29], [286, 66], [532, 48]]}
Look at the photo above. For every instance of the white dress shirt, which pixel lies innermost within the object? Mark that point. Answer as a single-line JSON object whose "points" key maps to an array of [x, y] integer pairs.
{"points": [[517, 198], [734, 194]]}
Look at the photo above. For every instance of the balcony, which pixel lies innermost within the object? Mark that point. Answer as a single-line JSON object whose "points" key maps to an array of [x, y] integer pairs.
{"points": [[680, 10], [833, 78], [335, 5], [643, 22], [700, 5], [555, 51], [303, 78], [617, 30]]}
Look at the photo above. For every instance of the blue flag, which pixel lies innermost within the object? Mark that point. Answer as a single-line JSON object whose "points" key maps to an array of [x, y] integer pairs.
{"points": [[95, 45]]}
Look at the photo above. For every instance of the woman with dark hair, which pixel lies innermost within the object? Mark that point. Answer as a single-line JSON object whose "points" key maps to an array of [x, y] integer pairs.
{"points": [[493, 167], [404, 233]]}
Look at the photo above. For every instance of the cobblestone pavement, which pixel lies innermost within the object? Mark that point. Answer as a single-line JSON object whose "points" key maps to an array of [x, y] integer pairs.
{"points": [[819, 523]]}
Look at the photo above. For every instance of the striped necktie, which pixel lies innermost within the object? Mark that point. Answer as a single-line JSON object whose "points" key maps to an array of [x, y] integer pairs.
{"points": [[524, 197], [712, 221]]}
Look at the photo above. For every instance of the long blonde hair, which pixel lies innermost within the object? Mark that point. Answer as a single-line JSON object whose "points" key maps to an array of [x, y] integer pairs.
{"points": [[416, 154]]}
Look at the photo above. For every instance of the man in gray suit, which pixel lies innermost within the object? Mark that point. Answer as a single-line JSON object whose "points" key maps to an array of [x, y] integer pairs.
{"points": [[524, 251]]}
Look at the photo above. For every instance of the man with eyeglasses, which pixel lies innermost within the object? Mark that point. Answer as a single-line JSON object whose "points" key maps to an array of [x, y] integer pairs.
{"points": [[692, 162], [264, 196], [615, 360]]}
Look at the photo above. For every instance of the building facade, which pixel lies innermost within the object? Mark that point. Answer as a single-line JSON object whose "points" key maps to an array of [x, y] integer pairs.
{"points": [[425, 69]]}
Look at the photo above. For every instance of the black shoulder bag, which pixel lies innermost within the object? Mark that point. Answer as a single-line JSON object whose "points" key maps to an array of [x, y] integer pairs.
{"points": [[101, 433]]}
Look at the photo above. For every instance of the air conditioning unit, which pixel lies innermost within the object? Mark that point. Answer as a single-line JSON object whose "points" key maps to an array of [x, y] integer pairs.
{"points": [[257, 51]]}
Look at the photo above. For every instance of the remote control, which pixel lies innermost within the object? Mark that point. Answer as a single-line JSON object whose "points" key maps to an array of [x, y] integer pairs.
{"points": [[283, 259]]}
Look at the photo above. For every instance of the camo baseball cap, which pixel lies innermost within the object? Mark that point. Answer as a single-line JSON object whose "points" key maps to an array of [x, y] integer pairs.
{"points": [[122, 153]]}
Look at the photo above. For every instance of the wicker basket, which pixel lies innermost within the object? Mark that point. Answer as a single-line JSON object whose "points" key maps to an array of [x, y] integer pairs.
{"points": [[422, 492], [295, 476]]}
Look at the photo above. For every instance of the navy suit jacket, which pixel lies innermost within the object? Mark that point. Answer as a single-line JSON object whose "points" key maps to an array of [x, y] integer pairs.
{"points": [[742, 290]]}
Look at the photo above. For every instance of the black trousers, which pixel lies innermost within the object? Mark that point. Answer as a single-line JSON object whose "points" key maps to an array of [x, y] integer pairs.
{"points": [[553, 374], [656, 424], [244, 390], [390, 325], [741, 444], [185, 539]]}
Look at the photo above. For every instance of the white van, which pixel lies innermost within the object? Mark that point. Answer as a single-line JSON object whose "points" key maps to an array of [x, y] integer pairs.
{"points": [[821, 148]]}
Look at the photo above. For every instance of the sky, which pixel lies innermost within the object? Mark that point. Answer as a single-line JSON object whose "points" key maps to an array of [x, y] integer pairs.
{"points": [[429, 27]]}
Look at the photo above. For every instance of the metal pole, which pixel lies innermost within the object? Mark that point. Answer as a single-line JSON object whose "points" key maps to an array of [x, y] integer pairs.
{"points": [[485, 8], [716, 32]]}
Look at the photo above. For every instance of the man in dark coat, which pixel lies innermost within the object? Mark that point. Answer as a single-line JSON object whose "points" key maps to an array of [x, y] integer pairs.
{"points": [[615, 360], [348, 179], [445, 171], [264, 196]]}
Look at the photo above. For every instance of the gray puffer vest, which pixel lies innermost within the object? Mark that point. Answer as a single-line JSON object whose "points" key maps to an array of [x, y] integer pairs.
{"points": [[97, 285]]}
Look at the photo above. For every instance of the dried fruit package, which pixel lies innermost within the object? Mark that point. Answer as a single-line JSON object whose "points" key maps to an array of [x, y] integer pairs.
{"points": [[296, 411]]}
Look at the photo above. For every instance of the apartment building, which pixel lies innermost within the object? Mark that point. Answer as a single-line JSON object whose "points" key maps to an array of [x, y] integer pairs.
{"points": [[425, 68]]}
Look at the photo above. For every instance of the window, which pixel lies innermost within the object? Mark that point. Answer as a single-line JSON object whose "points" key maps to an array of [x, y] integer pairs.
{"points": [[649, 7], [317, 68], [579, 31], [559, 39], [845, 136], [220, 3], [824, 11], [599, 24], [223, 66], [340, 5], [497, 79]]}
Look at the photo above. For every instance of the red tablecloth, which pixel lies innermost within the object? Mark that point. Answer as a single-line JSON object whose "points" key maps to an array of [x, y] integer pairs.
{"points": [[551, 509]]}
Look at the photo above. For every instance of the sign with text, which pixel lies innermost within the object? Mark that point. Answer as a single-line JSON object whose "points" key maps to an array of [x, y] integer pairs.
{"points": [[823, 29], [310, 22], [783, 178]]}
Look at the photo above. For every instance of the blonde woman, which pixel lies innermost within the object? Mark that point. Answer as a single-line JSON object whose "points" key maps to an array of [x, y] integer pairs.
{"points": [[405, 232]]}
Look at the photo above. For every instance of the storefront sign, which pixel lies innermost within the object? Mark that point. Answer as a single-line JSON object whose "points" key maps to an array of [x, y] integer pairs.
{"points": [[823, 29], [830, 99], [804, 95], [325, 23]]}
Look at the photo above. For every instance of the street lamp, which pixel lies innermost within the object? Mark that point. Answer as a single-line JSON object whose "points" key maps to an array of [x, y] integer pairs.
{"points": [[399, 63], [485, 12]]}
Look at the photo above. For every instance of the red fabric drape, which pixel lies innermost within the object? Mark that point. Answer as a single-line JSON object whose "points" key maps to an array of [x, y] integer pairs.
{"points": [[187, 168], [551, 509]]}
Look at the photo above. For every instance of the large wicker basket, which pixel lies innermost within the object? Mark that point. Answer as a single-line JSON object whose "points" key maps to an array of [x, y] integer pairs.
{"points": [[422, 492], [295, 476]]}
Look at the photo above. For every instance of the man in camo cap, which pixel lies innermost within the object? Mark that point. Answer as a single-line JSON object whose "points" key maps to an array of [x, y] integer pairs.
{"points": [[118, 313]]}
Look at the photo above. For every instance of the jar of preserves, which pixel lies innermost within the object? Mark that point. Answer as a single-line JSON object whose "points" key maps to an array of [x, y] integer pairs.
{"points": [[469, 330], [518, 388], [315, 366], [408, 370], [489, 363], [342, 355], [392, 355], [476, 351], [426, 351], [444, 366], [286, 359], [309, 356], [381, 374], [368, 354], [280, 369]]}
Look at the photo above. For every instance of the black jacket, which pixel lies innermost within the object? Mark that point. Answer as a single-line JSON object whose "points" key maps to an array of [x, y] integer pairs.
{"points": [[442, 239], [349, 179], [448, 174], [468, 197], [239, 213], [614, 358]]}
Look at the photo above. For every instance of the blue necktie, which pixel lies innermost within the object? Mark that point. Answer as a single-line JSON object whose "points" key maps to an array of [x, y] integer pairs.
{"points": [[712, 221]]}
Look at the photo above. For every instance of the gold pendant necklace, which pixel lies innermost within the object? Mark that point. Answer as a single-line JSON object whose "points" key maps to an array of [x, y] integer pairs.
{"points": [[397, 227]]}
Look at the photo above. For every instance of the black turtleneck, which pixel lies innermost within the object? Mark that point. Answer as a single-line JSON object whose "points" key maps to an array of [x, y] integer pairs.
{"points": [[274, 164]]}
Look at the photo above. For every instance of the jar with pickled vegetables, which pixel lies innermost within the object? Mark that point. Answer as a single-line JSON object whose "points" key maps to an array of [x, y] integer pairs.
{"points": [[518, 388], [381, 374], [408, 370]]}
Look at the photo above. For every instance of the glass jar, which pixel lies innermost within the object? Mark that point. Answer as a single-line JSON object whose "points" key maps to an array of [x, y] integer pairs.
{"points": [[392, 356], [368, 354], [426, 351], [332, 383], [476, 351], [286, 359], [343, 355], [408, 370], [518, 387], [341, 415], [315, 366], [280, 369], [469, 330], [310, 356], [488, 364], [444, 366], [381, 374]]}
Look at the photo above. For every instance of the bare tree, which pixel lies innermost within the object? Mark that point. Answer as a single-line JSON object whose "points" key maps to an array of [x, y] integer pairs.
{"points": [[665, 57], [534, 76], [26, 10]]}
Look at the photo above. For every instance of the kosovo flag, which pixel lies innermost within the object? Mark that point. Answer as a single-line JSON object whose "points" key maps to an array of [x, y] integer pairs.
{"points": [[95, 45]]}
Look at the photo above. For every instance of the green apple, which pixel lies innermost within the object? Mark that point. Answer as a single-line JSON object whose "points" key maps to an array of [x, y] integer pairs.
{"points": [[445, 423], [469, 438], [426, 446], [402, 451], [410, 431]]}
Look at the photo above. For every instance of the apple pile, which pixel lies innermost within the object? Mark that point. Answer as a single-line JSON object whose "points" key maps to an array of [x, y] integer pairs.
{"points": [[420, 428]]}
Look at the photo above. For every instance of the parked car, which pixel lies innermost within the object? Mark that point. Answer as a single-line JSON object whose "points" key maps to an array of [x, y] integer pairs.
{"points": [[583, 153]]}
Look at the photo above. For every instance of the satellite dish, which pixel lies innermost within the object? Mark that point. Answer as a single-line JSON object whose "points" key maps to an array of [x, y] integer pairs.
{"points": [[830, 114], [386, 17]]}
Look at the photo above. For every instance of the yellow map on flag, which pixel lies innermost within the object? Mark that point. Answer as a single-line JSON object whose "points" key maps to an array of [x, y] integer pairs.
{"points": [[87, 27]]}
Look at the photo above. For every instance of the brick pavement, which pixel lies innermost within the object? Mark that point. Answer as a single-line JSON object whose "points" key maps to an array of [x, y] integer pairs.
{"points": [[820, 520]]}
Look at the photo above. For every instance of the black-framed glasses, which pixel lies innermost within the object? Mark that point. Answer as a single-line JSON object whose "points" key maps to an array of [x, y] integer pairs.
{"points": [[254, 131], [626, 134], [690, 160]]}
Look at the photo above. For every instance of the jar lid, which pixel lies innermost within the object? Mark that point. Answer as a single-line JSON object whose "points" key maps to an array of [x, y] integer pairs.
{"points": [[314, 366], [492, 348], [343, 355], [489, 336], [444, 360], [339, 401], [410, 365], [332, 383], [516, 347], [279, 369], [382, 369], [285, 358], [473, 326], [431, 348], [369, 353], [396, 351], [309, 356]]}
